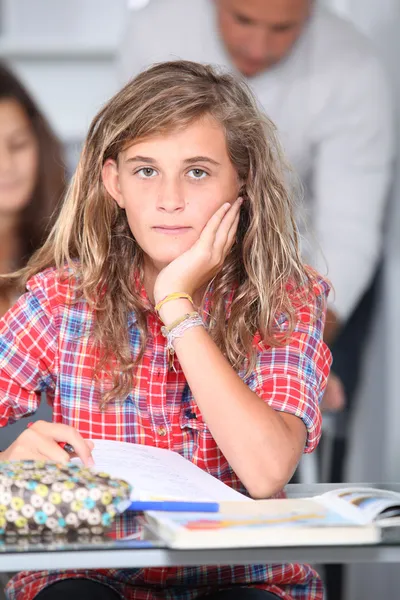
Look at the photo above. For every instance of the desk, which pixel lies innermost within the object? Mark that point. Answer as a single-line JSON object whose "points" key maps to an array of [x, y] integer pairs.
{"points": [[126, 554]]}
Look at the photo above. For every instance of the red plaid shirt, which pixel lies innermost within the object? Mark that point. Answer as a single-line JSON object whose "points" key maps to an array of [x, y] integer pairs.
{"points": [[45, 346]]}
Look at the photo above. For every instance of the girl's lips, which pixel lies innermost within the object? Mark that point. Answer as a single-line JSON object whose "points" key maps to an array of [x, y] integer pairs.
{"points": [[172, 230]]}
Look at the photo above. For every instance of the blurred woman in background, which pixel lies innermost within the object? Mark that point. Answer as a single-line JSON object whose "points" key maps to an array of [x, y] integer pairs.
{"points": [[32, 178]]}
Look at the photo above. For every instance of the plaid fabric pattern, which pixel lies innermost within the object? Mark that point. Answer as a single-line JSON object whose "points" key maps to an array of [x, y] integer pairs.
{"points": [[45, 345]]}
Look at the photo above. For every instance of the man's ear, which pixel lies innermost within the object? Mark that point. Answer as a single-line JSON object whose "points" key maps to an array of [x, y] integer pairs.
{"points": [[110, 177]]}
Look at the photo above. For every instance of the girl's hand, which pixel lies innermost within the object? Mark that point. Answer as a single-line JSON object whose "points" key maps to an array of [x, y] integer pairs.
{"points": [[204, 259], [39, 442]]}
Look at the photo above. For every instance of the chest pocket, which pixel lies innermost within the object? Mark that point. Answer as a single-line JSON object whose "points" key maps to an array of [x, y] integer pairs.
{"points": [[201, 447], [190, 416]]}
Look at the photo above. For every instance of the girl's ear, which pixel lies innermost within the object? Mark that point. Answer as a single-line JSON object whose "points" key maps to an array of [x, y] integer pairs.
{"points": [[242, 192], [110, 177], [242, 186]]}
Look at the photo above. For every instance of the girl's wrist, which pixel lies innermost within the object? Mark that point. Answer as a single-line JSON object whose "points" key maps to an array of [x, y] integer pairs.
{"points": [[170, 311]]}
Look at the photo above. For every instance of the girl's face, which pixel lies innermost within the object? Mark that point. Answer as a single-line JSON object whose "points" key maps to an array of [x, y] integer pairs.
{"points": [[170, 185], [18, 158]]}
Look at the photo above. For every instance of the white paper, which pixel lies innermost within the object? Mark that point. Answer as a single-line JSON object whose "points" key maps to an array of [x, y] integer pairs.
{"points": [[155, 473]]}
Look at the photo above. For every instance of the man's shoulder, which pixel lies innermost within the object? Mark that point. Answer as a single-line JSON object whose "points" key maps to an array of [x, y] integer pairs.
{"points": [[337, 42]]}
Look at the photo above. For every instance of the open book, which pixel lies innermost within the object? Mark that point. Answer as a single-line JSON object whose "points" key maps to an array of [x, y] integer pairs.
{"points": [[161, 476], [339, 517]]}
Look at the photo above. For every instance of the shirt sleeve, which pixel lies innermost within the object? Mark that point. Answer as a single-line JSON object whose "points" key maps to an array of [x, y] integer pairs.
{"points": [[352, 171], [292, 378], [28, 344]]}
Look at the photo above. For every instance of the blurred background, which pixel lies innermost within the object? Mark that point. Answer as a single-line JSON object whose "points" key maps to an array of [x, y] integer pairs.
{"points": [[68, 55]]}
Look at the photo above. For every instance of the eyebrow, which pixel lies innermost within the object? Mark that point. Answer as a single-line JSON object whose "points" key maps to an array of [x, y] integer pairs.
{"points": [[139, 158], [241, 16], [283, 25], [193, 159], [277, 26]]}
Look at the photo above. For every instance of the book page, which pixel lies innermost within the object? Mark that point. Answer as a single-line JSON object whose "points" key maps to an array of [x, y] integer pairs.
{"points": [[366, 504], [158, 474]]}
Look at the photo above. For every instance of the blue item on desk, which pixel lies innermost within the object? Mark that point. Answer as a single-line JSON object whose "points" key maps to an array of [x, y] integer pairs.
{"points": [[174, 506]]}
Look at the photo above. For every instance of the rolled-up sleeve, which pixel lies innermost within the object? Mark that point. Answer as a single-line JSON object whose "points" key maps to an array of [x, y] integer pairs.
{"points": [[292, 378], [27, 350]]}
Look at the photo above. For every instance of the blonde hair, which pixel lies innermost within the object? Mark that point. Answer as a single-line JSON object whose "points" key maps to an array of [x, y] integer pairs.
{"points": [[92, 236]]}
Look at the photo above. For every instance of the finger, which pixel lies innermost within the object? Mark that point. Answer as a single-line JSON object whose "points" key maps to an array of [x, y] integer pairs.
{"points": [[33, 455], [32, 445], [64, 433], [46, 447], [22, 453], [231, 235], [225, 229], [50, 450], [89, 443], [208, 234]]}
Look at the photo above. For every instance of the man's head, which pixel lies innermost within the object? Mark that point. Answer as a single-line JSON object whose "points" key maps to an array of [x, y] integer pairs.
{"points": [[259, 33]]}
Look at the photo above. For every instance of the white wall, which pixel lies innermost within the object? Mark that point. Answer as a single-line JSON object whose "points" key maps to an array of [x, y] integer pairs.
{"points": [[65, 53]]}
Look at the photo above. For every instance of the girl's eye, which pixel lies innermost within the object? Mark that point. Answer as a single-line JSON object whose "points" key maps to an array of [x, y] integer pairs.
{"points": [[146, 172], [198, 174]]}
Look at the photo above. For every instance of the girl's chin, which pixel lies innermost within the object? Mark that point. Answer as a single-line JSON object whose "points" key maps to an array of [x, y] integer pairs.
{"points": [[159, 262], [170, 255]]}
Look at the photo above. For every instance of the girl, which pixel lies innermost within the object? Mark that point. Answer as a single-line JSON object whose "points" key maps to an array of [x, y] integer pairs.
{"points": [[32, 177], [169, 307]]}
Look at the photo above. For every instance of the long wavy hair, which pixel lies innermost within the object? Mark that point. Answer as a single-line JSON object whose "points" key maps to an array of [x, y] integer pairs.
{"points": [[92, 237]]}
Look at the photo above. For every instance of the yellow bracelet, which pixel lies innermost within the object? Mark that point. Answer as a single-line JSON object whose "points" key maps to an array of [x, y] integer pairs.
{"points": [[174, 296]]}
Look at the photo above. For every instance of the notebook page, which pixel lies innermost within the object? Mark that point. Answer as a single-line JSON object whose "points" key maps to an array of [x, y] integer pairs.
{"points": [[155, 473]]}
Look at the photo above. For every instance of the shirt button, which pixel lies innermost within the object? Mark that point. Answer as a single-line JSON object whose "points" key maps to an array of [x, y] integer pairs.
{"points": [[161, 431]]}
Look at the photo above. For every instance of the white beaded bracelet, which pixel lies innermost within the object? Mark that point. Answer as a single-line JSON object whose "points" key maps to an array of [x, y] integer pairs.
{"points": [[191, 320]]}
